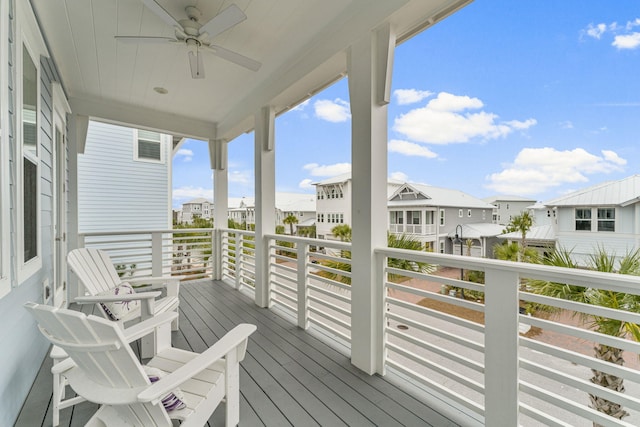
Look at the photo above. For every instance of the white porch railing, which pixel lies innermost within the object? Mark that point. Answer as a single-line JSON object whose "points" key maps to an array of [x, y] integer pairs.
{"points": [[472, 354], [421, 229], [186, 252]]}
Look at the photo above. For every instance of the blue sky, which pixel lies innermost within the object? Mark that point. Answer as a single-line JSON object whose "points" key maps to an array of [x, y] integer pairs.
{"points": [[535, 98]]}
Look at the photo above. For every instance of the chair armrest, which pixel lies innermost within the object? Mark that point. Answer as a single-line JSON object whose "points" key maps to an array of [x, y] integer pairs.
{"points": [[172, 283], [93, 299], [228, 343], [147, 326]]}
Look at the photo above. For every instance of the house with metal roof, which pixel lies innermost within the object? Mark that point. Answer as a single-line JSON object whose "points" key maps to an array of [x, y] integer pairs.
{"points": [[604, 215], [433, 214]]}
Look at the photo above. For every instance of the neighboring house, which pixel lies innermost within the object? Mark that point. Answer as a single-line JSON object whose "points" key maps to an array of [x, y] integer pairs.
{"points": [[429, 214], [196, 208], [333, 203], [604, 215], [506, 207], [302, 206], [433, 214], [542, 238], [124, 179]]}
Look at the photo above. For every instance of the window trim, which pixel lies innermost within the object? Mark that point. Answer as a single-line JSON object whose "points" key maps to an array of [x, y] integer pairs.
{"points": [[576, 219], [605, 220], [136, 141], [5, 267], [442, 217], [30, 267]]}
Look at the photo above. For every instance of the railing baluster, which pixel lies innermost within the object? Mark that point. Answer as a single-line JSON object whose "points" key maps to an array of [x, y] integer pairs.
{"points": [[156, 254], [303, 271], [501, 348], [239, 258]]}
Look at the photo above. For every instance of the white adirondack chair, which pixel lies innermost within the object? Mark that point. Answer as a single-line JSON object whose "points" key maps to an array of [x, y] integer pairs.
{"points": [[96, 271], [157, 325], [103, 369]]}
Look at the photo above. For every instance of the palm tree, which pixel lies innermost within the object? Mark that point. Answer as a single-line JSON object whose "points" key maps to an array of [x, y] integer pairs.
{"points": [[342, 232], [290, 219], [512, 252], [393, 241], [521, 223], [599, 261]]}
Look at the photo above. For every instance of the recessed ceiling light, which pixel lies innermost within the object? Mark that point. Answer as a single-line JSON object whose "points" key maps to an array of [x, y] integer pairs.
{"points": [[161, 90]]}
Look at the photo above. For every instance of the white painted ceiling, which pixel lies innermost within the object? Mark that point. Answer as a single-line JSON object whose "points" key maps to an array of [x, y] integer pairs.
{"points": [[301, 44]]}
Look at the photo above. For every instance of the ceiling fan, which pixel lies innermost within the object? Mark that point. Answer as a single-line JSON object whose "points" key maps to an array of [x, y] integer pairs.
{"points": [[197, 35]]}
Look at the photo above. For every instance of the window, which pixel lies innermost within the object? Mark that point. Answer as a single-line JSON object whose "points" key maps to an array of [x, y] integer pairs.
{"points": [[442, 220], [606, 219], [507, 206], [29, 168], [469, 213], [396, 217], [441, 246], [148, 146], [413, 217], [583, 219], [460, 213], [430, 217]]}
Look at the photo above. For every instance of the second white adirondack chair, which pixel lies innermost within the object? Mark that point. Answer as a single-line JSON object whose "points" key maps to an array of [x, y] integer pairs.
{"points": [[103, 369], [96, 271]]}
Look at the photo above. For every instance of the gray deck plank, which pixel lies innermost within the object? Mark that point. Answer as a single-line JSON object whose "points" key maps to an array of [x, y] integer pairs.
{"points": [[384, 395], [289, 377]]}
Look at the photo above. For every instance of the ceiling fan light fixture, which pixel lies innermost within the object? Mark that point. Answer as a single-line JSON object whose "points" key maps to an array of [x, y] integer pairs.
{"points": [[160, 90]]}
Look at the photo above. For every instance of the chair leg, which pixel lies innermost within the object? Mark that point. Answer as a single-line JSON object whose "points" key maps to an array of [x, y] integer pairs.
{"points": [[58, 401]]}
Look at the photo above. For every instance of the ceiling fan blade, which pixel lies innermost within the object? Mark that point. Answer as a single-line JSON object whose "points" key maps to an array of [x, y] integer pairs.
{"points": [[145, 39], [235, 57], [226, 19], [162, 14], [196, 64]]}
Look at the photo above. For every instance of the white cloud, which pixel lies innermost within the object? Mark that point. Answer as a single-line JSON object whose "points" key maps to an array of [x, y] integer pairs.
{"points": [[623, 35], [188, 193], [185, 153], [410, 149], [332, 111], [327, 170], [410, 96], [596, 31], [444, 120], [399, 176], [536, 170], [566, 124], [306, 184], [627, 41]]}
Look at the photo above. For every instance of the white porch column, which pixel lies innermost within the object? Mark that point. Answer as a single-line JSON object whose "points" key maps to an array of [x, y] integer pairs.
{"points": [[219, 156], [265, 188], [370, 62], [77, 138]]}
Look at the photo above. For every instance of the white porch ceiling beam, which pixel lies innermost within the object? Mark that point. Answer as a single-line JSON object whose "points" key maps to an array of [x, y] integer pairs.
{"points": [[139, 117]]}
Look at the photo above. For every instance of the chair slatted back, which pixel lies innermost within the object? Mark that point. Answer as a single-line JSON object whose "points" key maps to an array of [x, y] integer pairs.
{"points": [[94, 269], [106, 365]]}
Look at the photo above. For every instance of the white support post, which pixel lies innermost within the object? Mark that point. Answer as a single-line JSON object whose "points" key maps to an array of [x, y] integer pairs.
{"points": [[501, 348], [265, 188], [302, 252], [156, 254], [370, 62], [219, 157]]}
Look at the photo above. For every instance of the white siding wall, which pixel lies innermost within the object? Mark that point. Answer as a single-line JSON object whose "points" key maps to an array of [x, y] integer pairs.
{"points": [[116, 192], [584, 243], [24, 347]]}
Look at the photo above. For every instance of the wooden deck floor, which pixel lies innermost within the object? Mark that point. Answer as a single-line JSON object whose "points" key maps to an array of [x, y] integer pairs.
{"points": [[289, 377]]}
